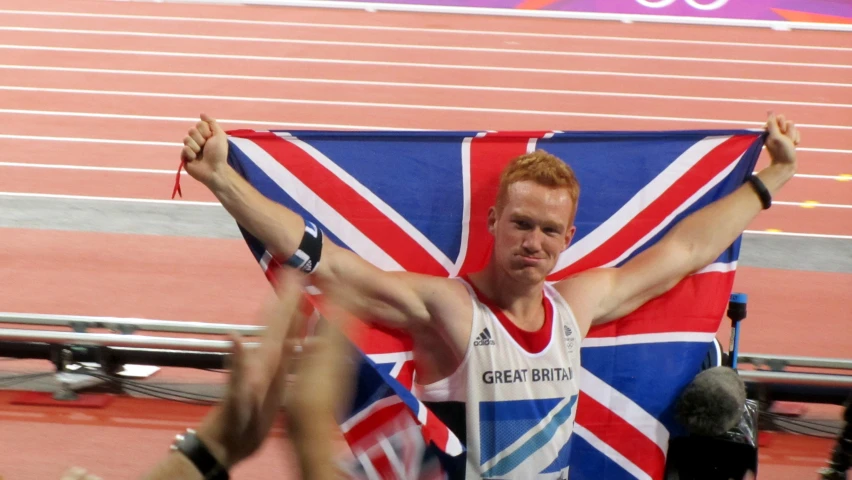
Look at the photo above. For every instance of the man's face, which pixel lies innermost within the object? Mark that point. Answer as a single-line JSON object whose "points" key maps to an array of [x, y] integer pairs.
{"points": [[532, 230]]}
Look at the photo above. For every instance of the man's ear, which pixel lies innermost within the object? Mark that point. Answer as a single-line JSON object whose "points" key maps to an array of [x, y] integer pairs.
{"points": [[569, 235], [492, 219]]}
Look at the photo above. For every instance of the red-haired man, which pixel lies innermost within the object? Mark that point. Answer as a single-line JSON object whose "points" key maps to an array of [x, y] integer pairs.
{"points": [[501, 342]]}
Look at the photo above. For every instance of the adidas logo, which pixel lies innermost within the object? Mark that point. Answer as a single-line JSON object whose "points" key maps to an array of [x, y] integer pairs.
{"points": [[484, 338], [567, 330]]}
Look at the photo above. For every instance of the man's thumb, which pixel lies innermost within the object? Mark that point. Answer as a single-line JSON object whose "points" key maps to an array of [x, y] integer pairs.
{"points": [[214, 126]]}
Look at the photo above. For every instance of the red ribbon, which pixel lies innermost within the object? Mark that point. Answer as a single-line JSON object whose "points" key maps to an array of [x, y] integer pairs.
{"points": [[177, 180]]}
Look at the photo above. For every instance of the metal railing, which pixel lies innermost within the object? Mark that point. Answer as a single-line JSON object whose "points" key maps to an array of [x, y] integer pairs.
{"points": [[127, 325], [125, 329], [768, 372]]}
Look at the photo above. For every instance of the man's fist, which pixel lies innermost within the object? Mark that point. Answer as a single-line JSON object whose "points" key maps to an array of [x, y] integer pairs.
{"points": [[782, 140], [205, 150]]}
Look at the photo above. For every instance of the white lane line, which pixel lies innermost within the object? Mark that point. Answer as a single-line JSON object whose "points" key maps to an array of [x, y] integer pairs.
{"points": [[812, 204], [404, 46], [376, 63], [798, 234], [825, 150], [270, 124], [841, 178], [91, 168], [461, 32], [441, 86], [48, 138], [265, 123]]}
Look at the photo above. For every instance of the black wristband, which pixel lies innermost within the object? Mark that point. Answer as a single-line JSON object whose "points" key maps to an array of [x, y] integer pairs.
{"points": [[761, 190], [197, 453], [307, 257]]}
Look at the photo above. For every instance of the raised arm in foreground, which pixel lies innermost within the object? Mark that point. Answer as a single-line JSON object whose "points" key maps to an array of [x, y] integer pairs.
{"points": [[398, 299]]}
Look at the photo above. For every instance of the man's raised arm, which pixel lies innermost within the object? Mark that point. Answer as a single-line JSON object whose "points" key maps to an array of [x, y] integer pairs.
{"points": [[382, 295], [610, 293]]}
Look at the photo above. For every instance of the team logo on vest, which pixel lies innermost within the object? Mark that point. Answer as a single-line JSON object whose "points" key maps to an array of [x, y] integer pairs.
{"points": [[568, 340], [484, 338]]}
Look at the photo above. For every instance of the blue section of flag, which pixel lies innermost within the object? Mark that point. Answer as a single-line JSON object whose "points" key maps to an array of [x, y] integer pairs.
{"points": [[563, 459], [595, 465], [390, 167], [371, 385], [375, 382], [655, 373]]}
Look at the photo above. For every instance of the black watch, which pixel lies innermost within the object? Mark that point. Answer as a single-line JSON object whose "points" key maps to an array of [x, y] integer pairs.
{"points": [[194, 449]]}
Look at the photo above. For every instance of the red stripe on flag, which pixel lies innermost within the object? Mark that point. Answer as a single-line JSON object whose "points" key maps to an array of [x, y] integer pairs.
{"points": [[389, 236], [406, 375], [435, 431], [488, 156], [381, 463], [702, 172], [374, 339], [375, 422], [696, 304], [621, 436]]}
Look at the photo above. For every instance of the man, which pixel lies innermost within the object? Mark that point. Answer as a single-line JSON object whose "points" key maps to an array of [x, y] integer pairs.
{"points": [[500, 344]]}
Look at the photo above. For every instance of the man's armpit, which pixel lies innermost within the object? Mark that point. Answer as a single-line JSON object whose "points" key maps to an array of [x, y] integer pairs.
{"points": [[589, 294]]}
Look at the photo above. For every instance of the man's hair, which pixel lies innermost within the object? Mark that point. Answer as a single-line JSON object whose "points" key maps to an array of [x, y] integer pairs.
{"points": [[542, 168]]}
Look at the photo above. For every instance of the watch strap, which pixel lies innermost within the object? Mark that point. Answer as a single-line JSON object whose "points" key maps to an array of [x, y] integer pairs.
{"points": [[194, 449]]}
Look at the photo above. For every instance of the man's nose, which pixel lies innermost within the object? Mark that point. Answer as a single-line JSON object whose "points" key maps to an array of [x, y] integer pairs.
{"points": [[532, 240]]}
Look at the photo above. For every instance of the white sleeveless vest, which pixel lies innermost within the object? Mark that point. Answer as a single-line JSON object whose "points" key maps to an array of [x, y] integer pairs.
{"points": [[519, 406]]}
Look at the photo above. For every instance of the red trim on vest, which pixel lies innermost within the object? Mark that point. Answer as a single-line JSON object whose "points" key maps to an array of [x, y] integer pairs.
{"points": [[532, 342]]}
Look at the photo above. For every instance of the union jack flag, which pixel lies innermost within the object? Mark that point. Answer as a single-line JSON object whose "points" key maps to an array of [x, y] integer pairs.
{"points": [[418, 201]]}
